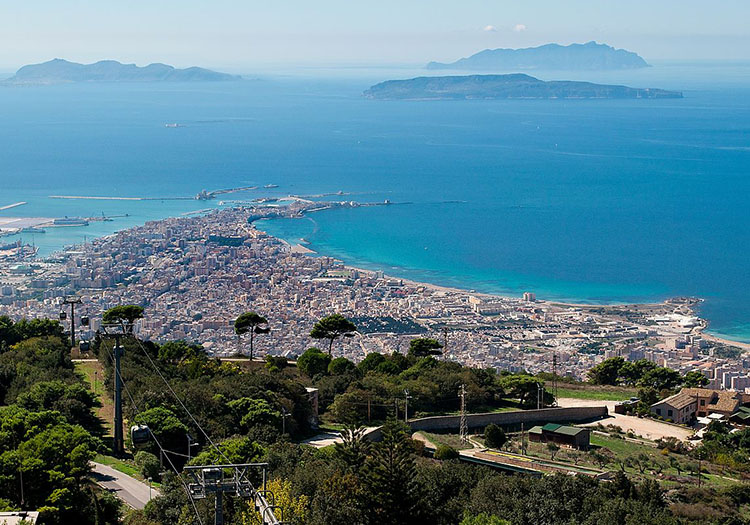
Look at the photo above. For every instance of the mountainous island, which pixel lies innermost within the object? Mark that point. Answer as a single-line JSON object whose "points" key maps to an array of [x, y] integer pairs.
{"points": [[575, 57], [517, 85], [60, 71]]}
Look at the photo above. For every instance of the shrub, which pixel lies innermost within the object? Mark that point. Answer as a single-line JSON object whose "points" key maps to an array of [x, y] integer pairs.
{"points": [[494, 436], [444, 452], [148, 464]]}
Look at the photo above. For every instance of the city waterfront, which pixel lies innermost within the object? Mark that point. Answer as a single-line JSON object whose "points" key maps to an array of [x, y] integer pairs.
{"points": [[581, 201]]}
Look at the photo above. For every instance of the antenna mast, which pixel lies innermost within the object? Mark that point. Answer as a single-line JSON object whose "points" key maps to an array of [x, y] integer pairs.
{"points": [[463, 427]]}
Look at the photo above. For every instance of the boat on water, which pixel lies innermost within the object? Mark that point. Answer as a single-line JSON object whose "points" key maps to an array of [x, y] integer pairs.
{"points": [[70, 221], [269, 186], [172, 125], [32, 229]]}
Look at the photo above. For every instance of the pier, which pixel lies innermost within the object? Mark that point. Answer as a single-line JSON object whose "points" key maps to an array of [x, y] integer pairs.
{"points": [[14, 205], [201, 196]]}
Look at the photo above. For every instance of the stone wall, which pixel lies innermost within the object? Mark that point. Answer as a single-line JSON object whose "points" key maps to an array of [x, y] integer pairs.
{"points": [[508, 420]]}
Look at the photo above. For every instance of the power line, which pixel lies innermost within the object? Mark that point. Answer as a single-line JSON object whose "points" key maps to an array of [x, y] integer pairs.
{"points": [[156, 440], [195, 421], [260, 500]]}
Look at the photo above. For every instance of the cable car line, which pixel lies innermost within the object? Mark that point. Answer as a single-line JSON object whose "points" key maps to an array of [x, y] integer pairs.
{"points": [[195, 421], [153, 436]]}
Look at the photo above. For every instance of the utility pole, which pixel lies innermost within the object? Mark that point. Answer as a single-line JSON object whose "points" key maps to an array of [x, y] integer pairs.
{"points": [[284, 415], [117, 332], [554, 374], [407, 397], [72, 301], [539, 396], [369, 411], [463, 429]]}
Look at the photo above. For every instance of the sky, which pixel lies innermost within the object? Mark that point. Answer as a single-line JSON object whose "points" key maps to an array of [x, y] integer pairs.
{"points": [[241, 34]]}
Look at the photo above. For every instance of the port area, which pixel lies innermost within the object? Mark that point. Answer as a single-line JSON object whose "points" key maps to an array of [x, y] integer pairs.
{"points": [[11, 225]]}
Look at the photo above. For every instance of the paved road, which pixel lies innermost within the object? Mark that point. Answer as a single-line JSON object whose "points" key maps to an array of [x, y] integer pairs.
{"points": [[133, 492], [644, 427], [325, 439]]}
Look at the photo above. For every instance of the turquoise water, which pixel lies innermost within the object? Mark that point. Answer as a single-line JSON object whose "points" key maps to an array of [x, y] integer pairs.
{"points": [[595, 201]]}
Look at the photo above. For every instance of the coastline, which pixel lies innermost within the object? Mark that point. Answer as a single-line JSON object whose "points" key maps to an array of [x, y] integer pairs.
{"points": [[301, 249], [700, 330]]}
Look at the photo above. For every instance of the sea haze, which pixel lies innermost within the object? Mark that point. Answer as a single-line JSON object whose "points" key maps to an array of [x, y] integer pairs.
{"points": [[590, 200]]}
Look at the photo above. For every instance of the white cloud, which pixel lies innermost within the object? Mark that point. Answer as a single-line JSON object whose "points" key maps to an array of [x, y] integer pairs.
{"points": [[490, 29], [518, 28]]}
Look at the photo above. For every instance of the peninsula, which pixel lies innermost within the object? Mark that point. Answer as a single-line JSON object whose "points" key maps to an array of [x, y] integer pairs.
{"points": [[591, 56], [505, 87], [61, 71]]}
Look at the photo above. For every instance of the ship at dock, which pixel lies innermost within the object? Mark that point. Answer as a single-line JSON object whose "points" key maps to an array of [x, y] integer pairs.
{"points": [[70, 221]]}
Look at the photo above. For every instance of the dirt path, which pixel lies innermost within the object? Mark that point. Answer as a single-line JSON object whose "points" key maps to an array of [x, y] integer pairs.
{"points": [[644, 427]]}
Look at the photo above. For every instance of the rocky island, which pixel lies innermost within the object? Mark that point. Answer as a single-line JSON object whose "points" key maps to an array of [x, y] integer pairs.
{"points": [[575, 57], [61, 71], [515, 86]]}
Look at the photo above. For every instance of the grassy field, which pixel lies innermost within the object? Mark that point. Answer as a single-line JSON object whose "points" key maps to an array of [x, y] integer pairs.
{"points": [[599, 393], [452, 440], [122, 465], [623, 450], [94, 375]]}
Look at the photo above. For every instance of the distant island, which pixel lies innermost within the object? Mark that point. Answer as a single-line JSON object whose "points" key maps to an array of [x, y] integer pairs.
{"points": [[517, 85], [59, 71], [590, 56]]}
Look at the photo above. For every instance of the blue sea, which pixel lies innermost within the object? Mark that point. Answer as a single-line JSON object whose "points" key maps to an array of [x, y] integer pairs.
{"points": [[591, 200]]}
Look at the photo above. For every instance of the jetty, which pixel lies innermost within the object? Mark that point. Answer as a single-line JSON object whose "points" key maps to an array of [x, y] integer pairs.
{"points": [[200, 196], [14, 205]]}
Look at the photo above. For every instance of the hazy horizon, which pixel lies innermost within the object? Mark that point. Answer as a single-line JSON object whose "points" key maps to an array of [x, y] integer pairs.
{"points": [[231, 35]]}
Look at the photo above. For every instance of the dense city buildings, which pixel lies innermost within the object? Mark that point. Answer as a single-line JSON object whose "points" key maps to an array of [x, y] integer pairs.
{"points": [[194, 275]]}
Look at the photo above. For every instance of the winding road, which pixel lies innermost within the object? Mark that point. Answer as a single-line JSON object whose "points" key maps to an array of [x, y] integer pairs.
{"points": [[133, 492]]}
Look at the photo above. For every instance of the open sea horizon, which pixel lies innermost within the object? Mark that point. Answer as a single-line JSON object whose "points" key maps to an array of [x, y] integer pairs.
{"points": [[592, 201]]}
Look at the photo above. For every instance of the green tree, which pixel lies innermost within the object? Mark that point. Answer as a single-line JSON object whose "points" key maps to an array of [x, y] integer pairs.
{"points": [[236, 449], [389, 475], [74, 401], [249, 413], [333, 327], [252, 323], [607, 372], [12, 333], [177, 352], [353, 449], [340, 366], [553, 449], [694, 379], [648, 395], [494, 436], [313, 362], [370, 362], [125, 315], [661, 378], [424, 346], [525, 388], [631, 372], [483, 519], [148, 464]]}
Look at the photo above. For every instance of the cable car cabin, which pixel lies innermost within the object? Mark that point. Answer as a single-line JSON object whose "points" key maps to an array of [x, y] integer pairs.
{"points": [[140, 434], [85, 320], [63, 315], [84, 346]]}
